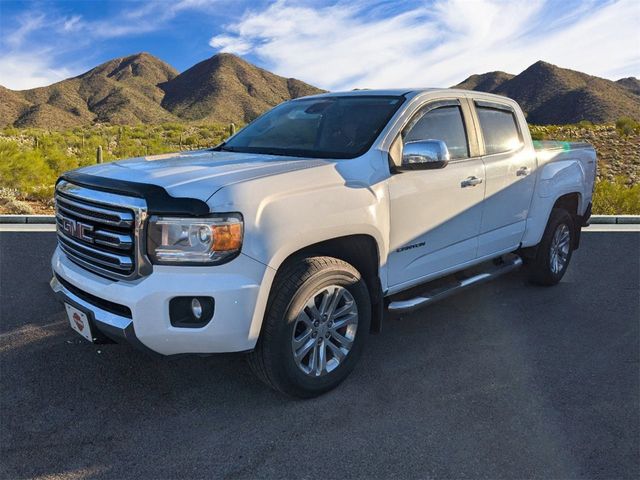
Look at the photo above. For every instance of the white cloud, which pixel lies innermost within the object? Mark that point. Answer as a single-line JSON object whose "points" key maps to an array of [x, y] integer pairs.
{"points": [[38, 42], [438, 44], [24, 65], [146, 17], [72, 23], [27, 24], [23, 71], [227, 43]]}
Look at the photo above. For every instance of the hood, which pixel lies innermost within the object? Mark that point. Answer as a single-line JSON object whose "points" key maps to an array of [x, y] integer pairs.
{"points": [[199, 174]]}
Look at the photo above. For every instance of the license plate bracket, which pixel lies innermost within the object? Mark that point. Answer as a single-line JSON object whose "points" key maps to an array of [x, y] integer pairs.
{"points": [[79, 321]]}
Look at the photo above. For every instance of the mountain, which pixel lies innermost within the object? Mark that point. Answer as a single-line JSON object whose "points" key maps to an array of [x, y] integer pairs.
{"points": [[226, 88], [552, 95], [143, 89], [485, 82], [630, 83], [123, 90]]}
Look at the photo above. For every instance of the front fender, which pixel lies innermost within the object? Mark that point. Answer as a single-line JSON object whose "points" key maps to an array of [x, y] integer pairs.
{"points": [[286, 213]]}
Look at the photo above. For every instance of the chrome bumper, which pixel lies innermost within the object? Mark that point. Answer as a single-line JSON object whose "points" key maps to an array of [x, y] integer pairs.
{"points": [[115, 327]]}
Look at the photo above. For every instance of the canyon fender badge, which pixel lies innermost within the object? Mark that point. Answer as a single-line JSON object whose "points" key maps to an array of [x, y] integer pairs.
{"points": [[409, 247]]}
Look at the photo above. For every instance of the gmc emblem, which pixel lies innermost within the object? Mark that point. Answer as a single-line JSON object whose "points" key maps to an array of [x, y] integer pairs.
{"points": [[76, 229]]}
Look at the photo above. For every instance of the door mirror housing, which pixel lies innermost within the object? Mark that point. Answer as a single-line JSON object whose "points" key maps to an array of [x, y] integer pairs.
{"points": [[425, 155]]}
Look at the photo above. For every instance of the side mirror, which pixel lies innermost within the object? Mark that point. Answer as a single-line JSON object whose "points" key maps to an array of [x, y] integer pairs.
{"points": [[425, 155]]}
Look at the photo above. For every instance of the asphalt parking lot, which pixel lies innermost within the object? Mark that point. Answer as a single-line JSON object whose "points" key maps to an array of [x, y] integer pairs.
{"points": [[506, 380]]}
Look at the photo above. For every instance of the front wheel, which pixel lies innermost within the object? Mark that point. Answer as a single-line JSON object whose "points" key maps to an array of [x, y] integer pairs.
{"points": [[554, 252], [317, 320]]}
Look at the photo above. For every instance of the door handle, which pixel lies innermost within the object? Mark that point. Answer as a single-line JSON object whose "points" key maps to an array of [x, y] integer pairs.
{"points": [[470, 182], [522, 172]]}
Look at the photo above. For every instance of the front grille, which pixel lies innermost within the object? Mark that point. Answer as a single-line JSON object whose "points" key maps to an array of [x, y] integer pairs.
{"points": [[98, 236]]}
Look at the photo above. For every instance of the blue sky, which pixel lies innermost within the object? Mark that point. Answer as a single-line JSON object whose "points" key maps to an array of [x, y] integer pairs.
{"points": [[331, 44]]}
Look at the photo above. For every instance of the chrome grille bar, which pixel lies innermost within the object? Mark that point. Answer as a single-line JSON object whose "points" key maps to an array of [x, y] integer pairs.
{"points": [[101, 231], [119, 262], [94, 213]]}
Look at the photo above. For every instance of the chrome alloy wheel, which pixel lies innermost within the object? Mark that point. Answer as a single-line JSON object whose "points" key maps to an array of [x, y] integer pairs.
{"points": [[559, 248], [324, 330]]}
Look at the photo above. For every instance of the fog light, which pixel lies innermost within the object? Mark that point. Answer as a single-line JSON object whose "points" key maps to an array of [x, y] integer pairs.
{"points": [[196, 308], [191, 312]]}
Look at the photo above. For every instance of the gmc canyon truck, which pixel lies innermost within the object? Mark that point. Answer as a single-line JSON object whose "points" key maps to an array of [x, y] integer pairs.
{"points": [[291, 239]]}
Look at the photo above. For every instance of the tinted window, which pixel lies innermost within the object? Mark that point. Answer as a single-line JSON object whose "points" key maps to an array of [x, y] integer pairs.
{"points": [[499, 130], [325, 127], [443, 123]]}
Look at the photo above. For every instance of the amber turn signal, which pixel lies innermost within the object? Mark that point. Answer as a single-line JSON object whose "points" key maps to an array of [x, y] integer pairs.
{"points": [[227, 237]]}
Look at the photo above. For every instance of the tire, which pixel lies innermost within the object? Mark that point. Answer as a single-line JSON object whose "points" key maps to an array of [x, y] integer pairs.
{"points": [[286, 328], [546, 267]]}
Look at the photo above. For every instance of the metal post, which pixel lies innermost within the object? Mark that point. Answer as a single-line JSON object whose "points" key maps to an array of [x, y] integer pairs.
{"points": [[99, 154]]}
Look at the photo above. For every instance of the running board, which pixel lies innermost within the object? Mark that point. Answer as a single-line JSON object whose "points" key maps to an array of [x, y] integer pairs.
{"points": [[427, 297]]}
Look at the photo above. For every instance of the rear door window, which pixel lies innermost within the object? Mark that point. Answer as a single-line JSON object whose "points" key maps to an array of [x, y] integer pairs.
{"points": [[499, 130]]}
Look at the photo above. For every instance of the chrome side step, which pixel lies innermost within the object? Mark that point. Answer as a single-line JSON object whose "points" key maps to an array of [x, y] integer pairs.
{"points": [[508, 264]]}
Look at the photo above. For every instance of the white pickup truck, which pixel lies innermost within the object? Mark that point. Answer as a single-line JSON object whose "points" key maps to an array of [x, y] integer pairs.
{"points": [[291, 239]]}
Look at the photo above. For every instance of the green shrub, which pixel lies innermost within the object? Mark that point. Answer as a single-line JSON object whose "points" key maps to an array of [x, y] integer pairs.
{"points": [[13, 206], [616, 198], [24, 171], [627, 126]]}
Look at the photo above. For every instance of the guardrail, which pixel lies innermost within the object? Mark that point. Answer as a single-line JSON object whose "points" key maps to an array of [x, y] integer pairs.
{"points": [[45, 219]]}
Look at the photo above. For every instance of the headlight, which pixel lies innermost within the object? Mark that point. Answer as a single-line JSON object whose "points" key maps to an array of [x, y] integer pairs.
{"points": [[194, 241]]}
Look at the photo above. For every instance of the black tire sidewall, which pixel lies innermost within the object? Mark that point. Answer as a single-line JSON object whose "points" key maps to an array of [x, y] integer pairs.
{"points": [[296, 381], [542, 268]]}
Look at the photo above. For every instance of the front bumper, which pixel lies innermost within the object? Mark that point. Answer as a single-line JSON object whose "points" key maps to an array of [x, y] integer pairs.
{"points": [[116, 327], [138, 311]]}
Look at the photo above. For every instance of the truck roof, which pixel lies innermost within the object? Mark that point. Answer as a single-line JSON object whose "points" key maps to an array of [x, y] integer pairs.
{"points": [[379, 92], [407, 92]]}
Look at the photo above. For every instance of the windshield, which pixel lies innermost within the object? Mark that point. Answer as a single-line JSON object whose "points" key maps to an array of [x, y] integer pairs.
{"points": [[324, 127]]}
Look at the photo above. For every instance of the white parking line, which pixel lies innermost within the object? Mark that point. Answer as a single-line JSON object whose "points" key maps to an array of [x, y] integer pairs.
{"points": [[603, 227], [27, 227]]}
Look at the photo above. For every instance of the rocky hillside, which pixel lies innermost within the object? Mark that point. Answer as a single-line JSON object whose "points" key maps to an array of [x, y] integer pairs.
{"points": [[225, 88], [618, 155], [630, 83], [123, 90], [552, 95], [485, 82], [143, 89]]}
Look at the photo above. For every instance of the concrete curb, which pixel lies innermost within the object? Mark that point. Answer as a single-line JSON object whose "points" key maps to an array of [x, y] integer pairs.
{"points": [[615, 219], [32, 219], [49, 219]]}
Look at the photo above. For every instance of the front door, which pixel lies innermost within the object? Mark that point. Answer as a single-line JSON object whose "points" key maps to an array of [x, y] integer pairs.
{"points": [[435, 214]]}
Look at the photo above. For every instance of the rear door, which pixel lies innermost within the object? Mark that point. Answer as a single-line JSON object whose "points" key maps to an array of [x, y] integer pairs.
{"points": [[509, 177], [434, 215]]}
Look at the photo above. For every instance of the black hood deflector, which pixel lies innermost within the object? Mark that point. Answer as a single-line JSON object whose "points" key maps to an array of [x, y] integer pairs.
{"points": [[159, 202]]}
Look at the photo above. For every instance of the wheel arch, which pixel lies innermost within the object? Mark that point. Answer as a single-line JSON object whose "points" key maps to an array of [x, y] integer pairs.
{"points": [[571, 202], [359, 250]]}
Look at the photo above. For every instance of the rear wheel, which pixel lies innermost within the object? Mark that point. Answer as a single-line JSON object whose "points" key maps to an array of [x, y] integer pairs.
{"points": [[317, 320], [553, 254]]}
